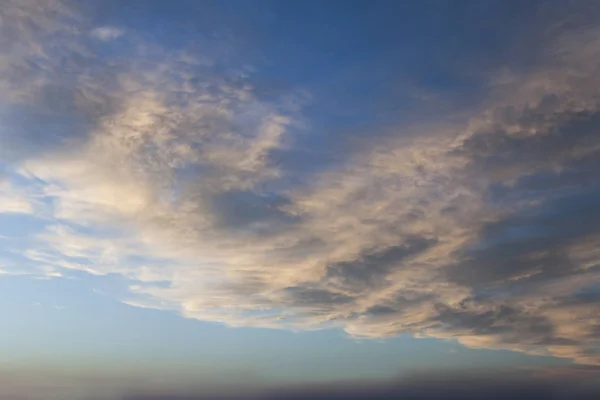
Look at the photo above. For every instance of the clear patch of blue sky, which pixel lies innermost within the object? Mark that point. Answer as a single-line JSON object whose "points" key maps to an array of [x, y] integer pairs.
{"points": [[78, 322]]}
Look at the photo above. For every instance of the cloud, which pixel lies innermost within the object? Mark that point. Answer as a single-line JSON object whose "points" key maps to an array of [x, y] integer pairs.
{"points": [[29, 62], [480, 227], [11, 204], [107, 33], [14, 201]]}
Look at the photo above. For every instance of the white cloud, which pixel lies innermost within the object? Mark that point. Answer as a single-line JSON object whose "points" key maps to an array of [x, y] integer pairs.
{"points": [[107, 33], [15, 205], [14, 201]]}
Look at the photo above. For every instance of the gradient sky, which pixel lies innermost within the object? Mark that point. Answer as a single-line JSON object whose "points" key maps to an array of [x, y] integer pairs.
{"points": [[270, 193]]}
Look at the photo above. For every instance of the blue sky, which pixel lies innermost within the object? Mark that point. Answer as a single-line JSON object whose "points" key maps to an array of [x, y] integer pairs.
{"points": [[278, 193]]}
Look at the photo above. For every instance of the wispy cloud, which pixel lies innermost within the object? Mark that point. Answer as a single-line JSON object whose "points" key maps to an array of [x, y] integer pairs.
{"points": [[14, 201], [107, 33]]}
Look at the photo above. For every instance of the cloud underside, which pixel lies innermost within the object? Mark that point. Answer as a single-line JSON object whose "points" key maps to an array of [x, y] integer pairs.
{"points": [[482, 228]]}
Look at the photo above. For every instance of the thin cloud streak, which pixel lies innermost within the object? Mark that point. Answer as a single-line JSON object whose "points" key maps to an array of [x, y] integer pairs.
{"points": [[107, 33]]}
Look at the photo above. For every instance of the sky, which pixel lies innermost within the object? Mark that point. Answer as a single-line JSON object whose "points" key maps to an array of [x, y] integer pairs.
{"points": [[299, 199]]}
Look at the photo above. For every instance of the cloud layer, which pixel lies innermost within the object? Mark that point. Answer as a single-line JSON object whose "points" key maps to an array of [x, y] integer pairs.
{"points": [[165, 167]]}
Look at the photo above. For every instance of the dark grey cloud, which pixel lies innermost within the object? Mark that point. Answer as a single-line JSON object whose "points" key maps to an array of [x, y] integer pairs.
{"points": [[534, 240], [261, 213], [570, 145], [305, 296], [514, 325], [371, 269]]}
